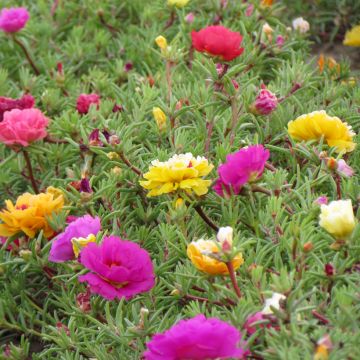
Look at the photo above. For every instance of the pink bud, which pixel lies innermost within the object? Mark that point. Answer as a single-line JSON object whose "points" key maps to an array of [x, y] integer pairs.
{"points": [[266, 102], [344, 169], [280, 41], [128, 66], [322, 200], [189, 18], [235, 83], [329, 269], [249, 10]]}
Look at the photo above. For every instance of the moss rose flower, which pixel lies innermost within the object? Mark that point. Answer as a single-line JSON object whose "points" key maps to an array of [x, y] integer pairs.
{"points": [[198, 338], [7, 104], [84, 101], [119, 268], [13, 19], [218, 41]]}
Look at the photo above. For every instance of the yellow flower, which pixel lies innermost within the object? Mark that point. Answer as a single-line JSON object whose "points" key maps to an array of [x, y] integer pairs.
{"points": [[112, 155], [321, 353], [198, 252], [352, 37], [161, 42], [338, 219], [30, 213], [179, 203], [181, 172], [79, 243], [160, 118], [55, 192], [178, 3], [318, 124]]}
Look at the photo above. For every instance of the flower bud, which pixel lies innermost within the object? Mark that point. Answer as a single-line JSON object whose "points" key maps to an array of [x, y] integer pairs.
{"points": [[25, 254], [161, 42], [329, 270], [189, 18], [266, 102], [344, 169], [268, 30], [116, 170], [114, 140], [225, 238], [113, 155], [308, 246], [280, 41], [175, 292], [160, 118], [179, 203], [321, 200]]}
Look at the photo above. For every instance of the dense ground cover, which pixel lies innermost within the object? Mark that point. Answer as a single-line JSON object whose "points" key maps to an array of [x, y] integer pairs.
{"points": [[121, 84]]}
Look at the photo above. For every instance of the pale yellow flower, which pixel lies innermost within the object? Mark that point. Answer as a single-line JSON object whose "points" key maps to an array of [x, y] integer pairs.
{"points": [[338, 219], [160, 118], [161, 42], [182, 172], [178, 3], [352, 37], [112, 155], [318, 124]]}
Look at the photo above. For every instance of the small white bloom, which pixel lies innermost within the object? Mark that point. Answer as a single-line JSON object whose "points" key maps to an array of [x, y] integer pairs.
{"points": [[301, 25], [225, 234], [274, 301]]}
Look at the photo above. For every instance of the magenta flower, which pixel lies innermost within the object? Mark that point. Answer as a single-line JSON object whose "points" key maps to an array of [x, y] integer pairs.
{"points": [[321, 200], [119, 268], [246, 165], [7, 104], [13, 19], [266, 102], [198, 338], [82, 227], [280, 41], [22, 127], [84, 101]]}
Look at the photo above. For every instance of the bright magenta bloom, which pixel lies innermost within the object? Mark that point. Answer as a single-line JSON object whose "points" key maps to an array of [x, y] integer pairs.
{"points": [[119, 268], [13, 19], [266, 102], [22, 127], [198, 338], [84, 101], [62, 245], [7, 104], [246, 165]]}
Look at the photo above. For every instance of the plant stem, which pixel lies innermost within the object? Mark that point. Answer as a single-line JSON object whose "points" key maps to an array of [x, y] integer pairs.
{"points": [[30, 170], [338, 186], [208, 221], [230, 267], [28, 57], [129, 164], [234, 118], [168, 80], [210, 127]]}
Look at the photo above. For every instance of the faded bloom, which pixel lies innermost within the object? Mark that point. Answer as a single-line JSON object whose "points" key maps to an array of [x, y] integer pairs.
{"points": [[218, 41], [338, 219], [189, 18], [199, 338], [178, 3], [13, 19], [161, 42], [274, 302], [7, 104], [160, 118], [280, 41], [22, 127], [84, 101], [344, 169], [319, 124], [30, 214], [268, 31], [246, 165], [266, 102], [85, 186], [202, 253], [119, 268], [182, 172], [75, 235], [301, 25], [352, 37]]}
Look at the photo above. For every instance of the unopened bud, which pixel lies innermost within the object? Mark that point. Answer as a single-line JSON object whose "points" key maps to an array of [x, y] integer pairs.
{"points": [[225, 238], [113, 155], [175, 292], [25, 254], [114, 140], [308, 246]]}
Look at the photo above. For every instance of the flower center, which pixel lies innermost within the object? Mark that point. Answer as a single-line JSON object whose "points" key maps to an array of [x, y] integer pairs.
{"points": [[22, 207]]}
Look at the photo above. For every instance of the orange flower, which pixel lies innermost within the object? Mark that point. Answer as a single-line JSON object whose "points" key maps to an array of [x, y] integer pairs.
{"points": [[199, 251], [267, 2], [30, 214], [328, 62]]}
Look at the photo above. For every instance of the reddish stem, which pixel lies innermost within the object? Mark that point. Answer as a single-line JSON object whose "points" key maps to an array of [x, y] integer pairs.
{"points": [[208, 221], [338, 186], [30, 170], [28, 57], [230, 267], [130, 165], [320, 317]]}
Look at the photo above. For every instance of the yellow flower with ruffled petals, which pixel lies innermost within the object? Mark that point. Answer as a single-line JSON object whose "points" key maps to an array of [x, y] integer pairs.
{"points": [[181, 172], [352, 37], [318, 124], [29, 214], [199, 251]]}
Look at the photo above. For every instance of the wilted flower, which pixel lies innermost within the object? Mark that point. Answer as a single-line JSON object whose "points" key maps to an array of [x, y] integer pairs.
{"points": [[268, 31], [160, 118], [178, 3], [22, 127], [344, 169], [161, 42], [352, 37], [76, 234], [197, 338], [338, 219], [85, 185], [319, 124], [30, 214], [266, 102], [119, 268], [181, 172], [301, 25], [202, 254], [84, 101], [189, 18], [246, 165], [13, 19], [218, 41], [7, 104]]}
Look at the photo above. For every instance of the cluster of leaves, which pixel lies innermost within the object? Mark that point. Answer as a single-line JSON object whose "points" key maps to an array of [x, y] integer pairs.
{"points": [[40, 314]]}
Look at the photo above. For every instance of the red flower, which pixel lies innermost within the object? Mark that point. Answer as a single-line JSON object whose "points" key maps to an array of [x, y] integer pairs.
{"points": [[84, 102], [218, 41]]}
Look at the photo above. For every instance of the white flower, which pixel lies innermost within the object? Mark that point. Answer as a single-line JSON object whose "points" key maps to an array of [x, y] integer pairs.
{"points": [[301, 25], [274, 301], [225, 235]]}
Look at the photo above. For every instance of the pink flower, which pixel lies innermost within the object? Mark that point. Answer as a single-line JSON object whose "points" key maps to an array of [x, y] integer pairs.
{"points": [[266, 102], [7, 104], [344, 169], [62, 247], [249, 10], [189, 18], [250, 324], [280, 41], [322, 200], [84, 101], [119, 268], [22, 127], [13, 19], [198, 338], [246, 165]]}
